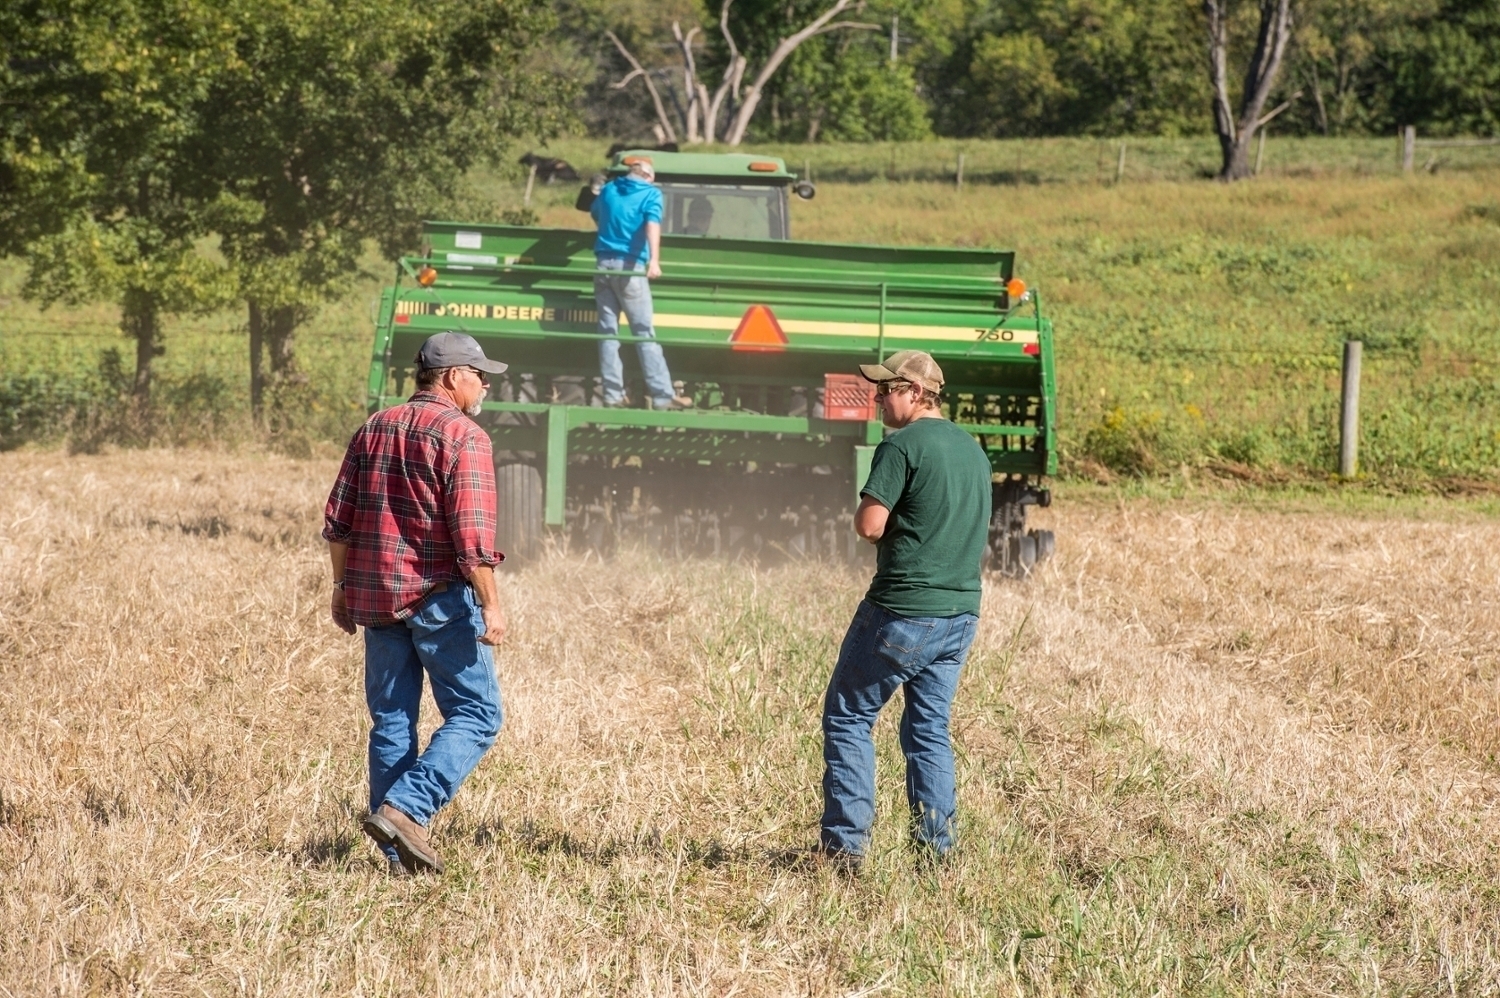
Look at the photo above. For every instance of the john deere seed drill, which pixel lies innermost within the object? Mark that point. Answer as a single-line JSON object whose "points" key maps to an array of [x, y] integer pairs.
{"points": [[764, 333]]}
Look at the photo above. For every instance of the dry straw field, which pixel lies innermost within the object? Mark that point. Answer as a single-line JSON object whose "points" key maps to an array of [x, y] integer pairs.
{"points": [[1209, 750]]}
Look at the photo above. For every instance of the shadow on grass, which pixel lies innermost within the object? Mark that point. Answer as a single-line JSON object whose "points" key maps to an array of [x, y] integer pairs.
{"points": [[541, 840], [326, 851]]}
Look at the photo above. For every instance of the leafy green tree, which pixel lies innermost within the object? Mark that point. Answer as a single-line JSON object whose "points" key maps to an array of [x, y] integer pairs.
{"points": [[1445, 69], [1016, 83], [1060, 67], [845, 89], [345, 121], [1342, 63], [103, 101], [871, 101]]}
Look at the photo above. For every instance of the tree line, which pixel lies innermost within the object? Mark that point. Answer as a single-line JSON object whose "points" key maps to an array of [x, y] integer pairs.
{"points": [[905, 69]]}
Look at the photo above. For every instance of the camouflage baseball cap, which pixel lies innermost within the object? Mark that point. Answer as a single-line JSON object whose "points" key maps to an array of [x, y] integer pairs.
{"points": [[906, 365]]}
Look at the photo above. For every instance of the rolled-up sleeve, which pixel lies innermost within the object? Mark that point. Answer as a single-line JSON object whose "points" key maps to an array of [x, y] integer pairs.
{"points": [[338, 515], [471, 504], [890, 471]]}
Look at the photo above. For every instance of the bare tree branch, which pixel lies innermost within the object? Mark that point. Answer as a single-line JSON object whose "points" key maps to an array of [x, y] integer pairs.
{"points": [[734, 50], [1265, 64], [1218, 64], [707, 133], [729, 84], [702, 114], [849, 24], [637, 70], [784, 48], [622, 83], [1265, 119], [696, 93]]}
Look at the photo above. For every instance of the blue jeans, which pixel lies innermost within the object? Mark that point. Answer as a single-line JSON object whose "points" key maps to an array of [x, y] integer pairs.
{"points": [[631, 295], [881, 651], [442, 639]]}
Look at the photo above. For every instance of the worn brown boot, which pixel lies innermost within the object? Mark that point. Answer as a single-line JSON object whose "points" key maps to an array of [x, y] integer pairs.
{"points": [[390, 827]]}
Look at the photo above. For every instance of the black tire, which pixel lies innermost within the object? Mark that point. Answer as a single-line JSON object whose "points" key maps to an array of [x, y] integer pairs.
{"points": [[518, 523], [1022, 556], [1046, 544]]}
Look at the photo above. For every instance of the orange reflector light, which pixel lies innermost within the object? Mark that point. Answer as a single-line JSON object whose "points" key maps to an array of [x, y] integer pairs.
{"points": [[758, 330], [1015, 288], [632, 160], [759, 167], [427, 276]]}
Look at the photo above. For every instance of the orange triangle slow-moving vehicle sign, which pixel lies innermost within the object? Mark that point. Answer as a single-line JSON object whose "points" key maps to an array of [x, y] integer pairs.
{"points": [[758, 330]]}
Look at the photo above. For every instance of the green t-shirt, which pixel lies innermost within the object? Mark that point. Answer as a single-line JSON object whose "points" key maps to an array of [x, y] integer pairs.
{"points": [[935, 480]]}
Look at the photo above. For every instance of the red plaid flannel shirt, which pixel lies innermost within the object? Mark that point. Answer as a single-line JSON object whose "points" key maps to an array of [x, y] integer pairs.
{"points": [[415, 502]]}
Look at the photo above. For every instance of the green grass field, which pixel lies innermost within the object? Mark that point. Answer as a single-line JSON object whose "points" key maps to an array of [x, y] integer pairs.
{"points": [[1199, 325]]}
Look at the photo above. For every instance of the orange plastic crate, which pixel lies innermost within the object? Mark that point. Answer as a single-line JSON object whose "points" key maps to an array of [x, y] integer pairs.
{"points": [[848, 397]]}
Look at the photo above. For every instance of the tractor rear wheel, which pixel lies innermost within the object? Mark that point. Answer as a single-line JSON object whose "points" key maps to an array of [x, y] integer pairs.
{"points": [[518, 523], [1046, 544], [1022, 555]]}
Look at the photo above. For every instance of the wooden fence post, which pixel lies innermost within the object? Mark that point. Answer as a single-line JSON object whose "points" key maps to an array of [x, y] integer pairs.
{"points": [[1120, 165], [1349, 411], [1408, 147], [958, 178], [530, 181]]}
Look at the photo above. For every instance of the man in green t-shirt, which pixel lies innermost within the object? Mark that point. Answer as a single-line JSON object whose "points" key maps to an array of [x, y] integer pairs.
{"points": [[926, 508]]}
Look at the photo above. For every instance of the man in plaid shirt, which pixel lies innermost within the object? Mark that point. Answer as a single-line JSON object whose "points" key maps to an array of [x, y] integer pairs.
{"points": [[410, 526]]}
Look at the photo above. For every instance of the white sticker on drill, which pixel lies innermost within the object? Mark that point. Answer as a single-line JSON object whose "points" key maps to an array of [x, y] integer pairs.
{"points": [[466, 240]]}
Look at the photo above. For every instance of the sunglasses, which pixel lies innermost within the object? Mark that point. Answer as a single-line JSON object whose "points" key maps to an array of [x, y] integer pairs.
{"points": [[890, 387], [484, 379]]}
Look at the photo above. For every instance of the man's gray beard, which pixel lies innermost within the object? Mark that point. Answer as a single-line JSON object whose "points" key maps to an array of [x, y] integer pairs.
{"points": [[472, 410]]}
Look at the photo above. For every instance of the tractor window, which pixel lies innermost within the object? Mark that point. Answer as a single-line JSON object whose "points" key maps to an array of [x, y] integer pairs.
{"points": [[725, 211]]}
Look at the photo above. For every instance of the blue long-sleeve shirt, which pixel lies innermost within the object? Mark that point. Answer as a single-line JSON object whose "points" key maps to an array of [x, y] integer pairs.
{"points": [[621, 211]]}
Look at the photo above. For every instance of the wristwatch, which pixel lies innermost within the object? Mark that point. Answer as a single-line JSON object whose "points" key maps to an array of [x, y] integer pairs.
{"points": [[338, 584]]}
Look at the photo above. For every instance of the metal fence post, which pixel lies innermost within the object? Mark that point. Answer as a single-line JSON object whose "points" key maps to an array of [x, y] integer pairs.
{"points": [[1408, 147], [1349, 411]]}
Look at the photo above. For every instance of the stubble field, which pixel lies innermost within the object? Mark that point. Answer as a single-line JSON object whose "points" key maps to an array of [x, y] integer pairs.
{"points": [[1210, 749]]}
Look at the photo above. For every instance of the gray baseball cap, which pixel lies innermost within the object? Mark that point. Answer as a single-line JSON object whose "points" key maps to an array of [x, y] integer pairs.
{"points": [[456, 350]]}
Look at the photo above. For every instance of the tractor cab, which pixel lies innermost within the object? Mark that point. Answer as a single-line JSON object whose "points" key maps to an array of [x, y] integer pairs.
{"points": [[713, 195]]}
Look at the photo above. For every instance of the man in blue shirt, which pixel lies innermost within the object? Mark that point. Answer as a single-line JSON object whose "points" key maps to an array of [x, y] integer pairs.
{"points": [[628, 212]]}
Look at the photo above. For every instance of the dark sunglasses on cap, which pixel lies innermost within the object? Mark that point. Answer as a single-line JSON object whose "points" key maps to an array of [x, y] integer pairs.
{"points": [[888, 387]]}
